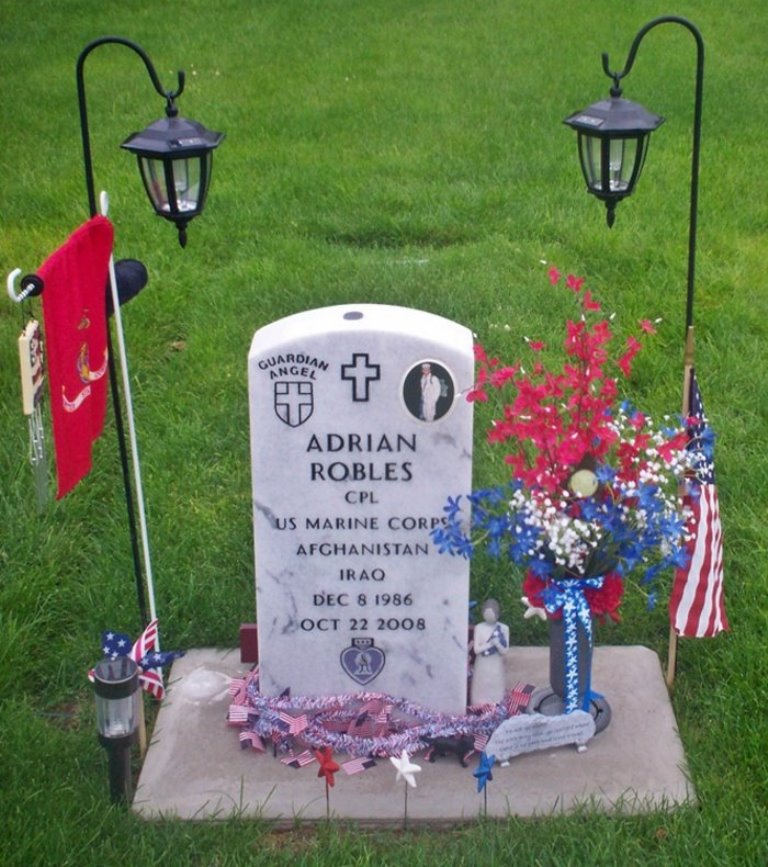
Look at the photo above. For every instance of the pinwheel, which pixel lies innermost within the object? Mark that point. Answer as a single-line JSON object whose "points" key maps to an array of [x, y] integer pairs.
{"points": [[143, 653], [483, 775], [406, 770], [483, 772], [327, 769]]}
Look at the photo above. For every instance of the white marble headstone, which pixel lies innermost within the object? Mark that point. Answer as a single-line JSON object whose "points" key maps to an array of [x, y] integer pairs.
{"points": [[355, 447]]}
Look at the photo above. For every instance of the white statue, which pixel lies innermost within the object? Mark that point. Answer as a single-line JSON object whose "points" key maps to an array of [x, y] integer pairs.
{"points": [[491, 642]]}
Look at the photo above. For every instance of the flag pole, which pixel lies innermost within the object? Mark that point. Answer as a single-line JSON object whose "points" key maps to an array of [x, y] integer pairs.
{"points": [[104, 203], [686, 409]]}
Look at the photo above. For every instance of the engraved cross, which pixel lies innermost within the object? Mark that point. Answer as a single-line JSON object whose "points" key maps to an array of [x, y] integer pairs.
{"points": [[360, 372]]}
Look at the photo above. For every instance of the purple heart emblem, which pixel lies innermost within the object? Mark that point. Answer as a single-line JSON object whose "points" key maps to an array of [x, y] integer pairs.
{"points": [[362, 661]]}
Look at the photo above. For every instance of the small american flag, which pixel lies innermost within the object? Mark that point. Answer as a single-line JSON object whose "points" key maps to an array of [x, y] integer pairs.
{"points": [[517, 698], [372, 719], [696, 606], [151, 679], [293, 725], [251, 739], [237, 691], [237, 715], [356, 766], [305, 758]]}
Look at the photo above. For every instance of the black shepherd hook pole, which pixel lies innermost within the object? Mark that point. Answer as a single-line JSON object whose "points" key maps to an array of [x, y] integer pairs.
{"points": [[168, 95], [113, 381], [696, 149]]}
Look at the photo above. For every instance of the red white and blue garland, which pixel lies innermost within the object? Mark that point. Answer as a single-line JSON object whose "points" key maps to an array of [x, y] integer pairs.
{"points": [[363, 724]]}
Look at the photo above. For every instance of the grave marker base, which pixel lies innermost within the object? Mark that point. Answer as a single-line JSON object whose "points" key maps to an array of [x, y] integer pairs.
{"points": [[194, 768]]}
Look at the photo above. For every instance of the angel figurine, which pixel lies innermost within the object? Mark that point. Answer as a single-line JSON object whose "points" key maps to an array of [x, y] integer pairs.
{"points": [[491, 642]]}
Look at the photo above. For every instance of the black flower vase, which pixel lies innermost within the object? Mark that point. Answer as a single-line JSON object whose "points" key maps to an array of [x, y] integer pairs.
{"points": [[551, 700]]}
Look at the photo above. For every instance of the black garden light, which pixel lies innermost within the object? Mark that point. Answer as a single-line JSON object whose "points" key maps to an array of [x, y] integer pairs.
{"points": [[613, 137], [613, 140], [175, 156], [116, 683]]}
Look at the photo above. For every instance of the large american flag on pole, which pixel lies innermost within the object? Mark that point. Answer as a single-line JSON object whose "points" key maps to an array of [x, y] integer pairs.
{"points": [[696, 605]]}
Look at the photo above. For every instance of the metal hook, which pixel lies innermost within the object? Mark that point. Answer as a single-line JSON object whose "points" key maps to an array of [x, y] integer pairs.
{"points": [[31, 285]]}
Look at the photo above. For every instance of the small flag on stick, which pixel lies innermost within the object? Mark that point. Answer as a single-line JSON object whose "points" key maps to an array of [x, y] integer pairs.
{"points": [[357, 766], [696, 607]]}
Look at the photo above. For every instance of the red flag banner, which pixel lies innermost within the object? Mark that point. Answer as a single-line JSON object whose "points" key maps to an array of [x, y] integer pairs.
{"points": [[696, 605], [74, 311]]}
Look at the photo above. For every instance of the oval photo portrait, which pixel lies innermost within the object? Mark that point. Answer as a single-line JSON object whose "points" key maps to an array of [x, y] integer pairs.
{"points": [[428, 390]]}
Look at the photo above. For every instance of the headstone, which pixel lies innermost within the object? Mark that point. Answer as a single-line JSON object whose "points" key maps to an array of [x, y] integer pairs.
{"points": [[359, 433], [527, 733]]}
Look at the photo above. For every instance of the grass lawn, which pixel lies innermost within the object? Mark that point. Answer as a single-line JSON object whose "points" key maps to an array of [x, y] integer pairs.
{"points": [[406, 153]]}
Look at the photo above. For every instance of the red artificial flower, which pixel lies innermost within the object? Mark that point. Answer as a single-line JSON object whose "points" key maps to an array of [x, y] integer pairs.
{"points": [[606, 600], [554, 276], [552, 419], [502, 374], [589, 303], [674, 445], [647, 326], [533, 588], [625, 362], [603, 601], [477, 395], [574, 283]]}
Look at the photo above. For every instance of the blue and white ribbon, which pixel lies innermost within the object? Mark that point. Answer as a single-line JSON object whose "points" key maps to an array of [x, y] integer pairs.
{"points": [[568, 596]]}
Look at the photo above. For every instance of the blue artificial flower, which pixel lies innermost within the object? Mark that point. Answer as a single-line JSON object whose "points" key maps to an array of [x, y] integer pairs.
{"points": [[605, 474], [680, 558], [541, 568], [452, 508]]}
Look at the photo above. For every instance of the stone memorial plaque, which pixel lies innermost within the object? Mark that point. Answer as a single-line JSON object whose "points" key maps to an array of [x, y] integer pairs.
{"points": [[529, 732], [359, 433]]}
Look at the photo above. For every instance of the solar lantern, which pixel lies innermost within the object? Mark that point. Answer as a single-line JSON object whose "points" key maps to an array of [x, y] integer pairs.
{"points": [[613, 136], [175, 157], [116, 686]]}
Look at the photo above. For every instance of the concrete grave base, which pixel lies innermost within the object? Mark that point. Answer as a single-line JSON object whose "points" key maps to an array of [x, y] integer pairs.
{"points": [[195, 769]]}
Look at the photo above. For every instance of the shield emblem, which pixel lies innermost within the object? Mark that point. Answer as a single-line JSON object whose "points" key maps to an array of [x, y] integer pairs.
{"points": [[362, 661], [293, 402]]}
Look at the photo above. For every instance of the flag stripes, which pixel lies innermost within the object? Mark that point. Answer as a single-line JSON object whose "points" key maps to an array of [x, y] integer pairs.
{"points": [[696, 605]]}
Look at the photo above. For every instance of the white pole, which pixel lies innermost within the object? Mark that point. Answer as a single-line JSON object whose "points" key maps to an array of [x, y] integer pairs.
{"points": [[104, 205]]}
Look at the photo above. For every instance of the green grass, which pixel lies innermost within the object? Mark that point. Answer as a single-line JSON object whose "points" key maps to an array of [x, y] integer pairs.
{"points": [[397, 152]]}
